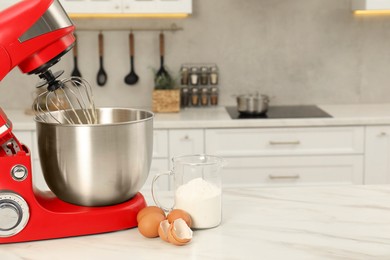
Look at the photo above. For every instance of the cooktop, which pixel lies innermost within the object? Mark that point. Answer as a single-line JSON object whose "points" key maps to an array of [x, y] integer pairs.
{"points": [[298, 111]]}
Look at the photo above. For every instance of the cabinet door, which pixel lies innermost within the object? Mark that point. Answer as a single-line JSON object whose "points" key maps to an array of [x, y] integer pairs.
{"points": [[160, 144], [92, 6], [158, 166], [377, 155], [287, 171], [186, 142], [157, 6]]}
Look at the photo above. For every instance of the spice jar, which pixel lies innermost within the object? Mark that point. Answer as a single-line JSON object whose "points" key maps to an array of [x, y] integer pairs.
{"points": [[194, 96], [204, 76], [194, 76], [214, 76], [184, 75], [185, 97], [204, 96], [214, 96]]}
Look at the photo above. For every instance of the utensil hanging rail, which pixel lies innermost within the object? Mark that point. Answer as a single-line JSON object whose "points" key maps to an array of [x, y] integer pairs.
{"points": [[172, 28]]}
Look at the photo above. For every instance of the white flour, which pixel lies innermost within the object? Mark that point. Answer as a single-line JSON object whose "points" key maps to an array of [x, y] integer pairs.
{"points": [[202, 200]]}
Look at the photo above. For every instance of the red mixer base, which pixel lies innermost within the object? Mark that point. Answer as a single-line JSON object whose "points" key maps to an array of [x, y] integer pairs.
{"points": [[52, 218]]}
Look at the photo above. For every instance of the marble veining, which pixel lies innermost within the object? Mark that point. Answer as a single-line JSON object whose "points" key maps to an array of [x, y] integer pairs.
{"points": [[319, 222]]}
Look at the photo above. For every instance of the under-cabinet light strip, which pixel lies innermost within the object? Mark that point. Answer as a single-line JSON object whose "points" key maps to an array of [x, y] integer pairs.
{"points": [[372, 12]]}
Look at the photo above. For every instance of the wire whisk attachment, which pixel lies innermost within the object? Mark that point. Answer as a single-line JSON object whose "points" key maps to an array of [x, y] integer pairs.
{"points": [[73, 98]]}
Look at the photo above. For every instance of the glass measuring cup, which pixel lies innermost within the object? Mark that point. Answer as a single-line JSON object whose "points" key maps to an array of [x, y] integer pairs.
{"points": [[197, 188]]}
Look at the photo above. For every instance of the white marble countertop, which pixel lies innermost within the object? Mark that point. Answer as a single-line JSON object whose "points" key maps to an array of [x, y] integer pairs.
{"points": [[324, 222], [217, 117]]}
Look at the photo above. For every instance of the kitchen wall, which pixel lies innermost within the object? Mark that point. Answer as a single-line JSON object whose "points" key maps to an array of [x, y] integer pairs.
{"points": [[299, 52]]}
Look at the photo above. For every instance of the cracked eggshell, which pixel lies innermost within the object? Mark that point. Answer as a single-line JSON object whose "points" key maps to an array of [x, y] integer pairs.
{"points": [[163, 230], [179, 213], [179, 233]]}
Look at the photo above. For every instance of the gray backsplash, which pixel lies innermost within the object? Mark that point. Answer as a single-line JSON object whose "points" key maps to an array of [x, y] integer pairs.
{"points": [[298, 52]]}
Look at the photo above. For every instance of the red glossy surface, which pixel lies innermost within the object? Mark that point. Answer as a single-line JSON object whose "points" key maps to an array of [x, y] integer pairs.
{"points": [[53, 218], [30, 54]]}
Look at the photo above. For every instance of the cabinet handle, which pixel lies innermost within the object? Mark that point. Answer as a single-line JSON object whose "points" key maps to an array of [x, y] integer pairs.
{"points": [[185, 138], [284, 143], [274, 177], [382, 134]]}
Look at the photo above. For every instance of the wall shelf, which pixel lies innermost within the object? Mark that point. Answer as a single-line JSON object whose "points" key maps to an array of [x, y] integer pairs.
{"points": [[172, 28]]}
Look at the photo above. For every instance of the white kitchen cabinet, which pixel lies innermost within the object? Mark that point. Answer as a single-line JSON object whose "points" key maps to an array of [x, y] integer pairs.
{"points": [[306, 155], [285, 141], [287, 171], [186, 142], [160, 144], [127, 6], [370, 5], [92, 6], [157, 166], [377, 155]]}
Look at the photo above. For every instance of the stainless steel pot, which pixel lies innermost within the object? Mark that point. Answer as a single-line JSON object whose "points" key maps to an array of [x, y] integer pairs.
{"points": [[252, 104], [97, 165]]}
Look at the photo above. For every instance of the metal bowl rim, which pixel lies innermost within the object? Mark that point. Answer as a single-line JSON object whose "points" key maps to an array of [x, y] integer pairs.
{"points": [[151, 116]]}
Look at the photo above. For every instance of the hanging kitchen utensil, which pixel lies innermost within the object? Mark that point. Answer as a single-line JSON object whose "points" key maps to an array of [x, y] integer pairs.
{"points": [[163, 79], [76, 71], [132, 77], [102, 75]]}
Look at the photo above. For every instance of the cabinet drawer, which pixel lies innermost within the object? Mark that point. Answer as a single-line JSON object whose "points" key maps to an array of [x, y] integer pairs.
{"points": [[285, 141], [160, 144], [185, 142], [284, 171]]}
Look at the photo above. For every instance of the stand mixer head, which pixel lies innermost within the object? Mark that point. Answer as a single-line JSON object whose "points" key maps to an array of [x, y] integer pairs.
{"points": [[37, 42]]}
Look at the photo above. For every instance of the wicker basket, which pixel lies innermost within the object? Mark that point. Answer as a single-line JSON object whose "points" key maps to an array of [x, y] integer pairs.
{"points": [[166, 100]]}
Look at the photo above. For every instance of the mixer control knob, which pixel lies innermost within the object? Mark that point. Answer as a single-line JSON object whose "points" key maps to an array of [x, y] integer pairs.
{"points": [[14, 214]]}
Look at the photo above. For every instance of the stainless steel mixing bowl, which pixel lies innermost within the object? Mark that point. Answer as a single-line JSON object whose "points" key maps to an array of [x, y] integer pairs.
{"points": [[97, 165]]}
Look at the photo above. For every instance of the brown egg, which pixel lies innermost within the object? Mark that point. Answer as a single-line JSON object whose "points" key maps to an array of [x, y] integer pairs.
{"points": [[163, 230], [148, 210], [179, 233], [179, 213], [148, 225]]}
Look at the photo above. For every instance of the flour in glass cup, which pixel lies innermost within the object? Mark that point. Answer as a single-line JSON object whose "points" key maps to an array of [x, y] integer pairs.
{"points": [[202, 200]]}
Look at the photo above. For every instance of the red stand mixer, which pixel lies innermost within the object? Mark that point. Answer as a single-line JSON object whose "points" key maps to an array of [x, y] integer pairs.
{"points": [[34, 35]]}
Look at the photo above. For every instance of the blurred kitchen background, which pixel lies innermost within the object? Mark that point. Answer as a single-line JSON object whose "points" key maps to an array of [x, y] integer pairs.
{"points": [[298, 52]]}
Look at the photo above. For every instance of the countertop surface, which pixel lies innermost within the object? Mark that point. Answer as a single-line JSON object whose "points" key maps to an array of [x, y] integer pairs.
{"points": [[323, 222], [217, 117]]}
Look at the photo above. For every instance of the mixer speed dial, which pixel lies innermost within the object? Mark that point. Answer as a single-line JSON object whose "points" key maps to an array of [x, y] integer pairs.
{"points": [[14, 214]]}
